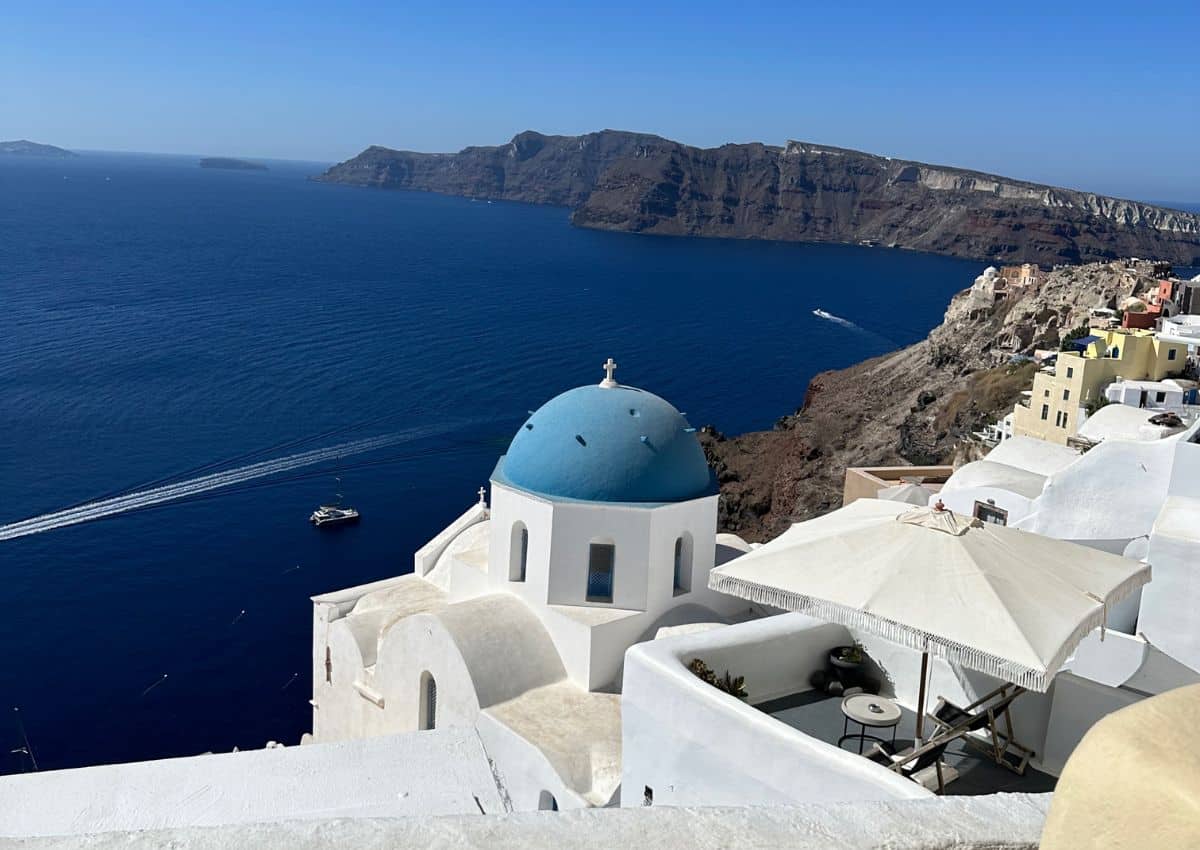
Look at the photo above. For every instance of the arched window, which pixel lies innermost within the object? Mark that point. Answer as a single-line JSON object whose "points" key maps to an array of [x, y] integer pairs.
{"points": [[547, 803], [602, 557], [683, 564], [518, 552], [427, 718]]}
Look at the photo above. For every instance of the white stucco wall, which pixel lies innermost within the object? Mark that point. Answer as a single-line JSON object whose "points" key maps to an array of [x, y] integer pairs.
{"points": [[425, 557], [1112, 493], [429, 773], [509, 506], [1170, 607], [525, 772], [1034, 455], [1078, 704], [537, 753], [1009, 821]]}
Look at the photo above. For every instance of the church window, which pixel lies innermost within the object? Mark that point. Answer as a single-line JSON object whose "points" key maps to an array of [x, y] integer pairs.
{"points": [[601, 558], [1066, 395], [518, 554], [1045, 411], [683, 565], [1171, 352], [328, 666], [547, 803], [428, 709], [648, 796]]}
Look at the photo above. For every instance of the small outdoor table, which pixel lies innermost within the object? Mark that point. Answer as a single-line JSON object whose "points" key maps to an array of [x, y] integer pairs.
{"points": [[868, 710]]}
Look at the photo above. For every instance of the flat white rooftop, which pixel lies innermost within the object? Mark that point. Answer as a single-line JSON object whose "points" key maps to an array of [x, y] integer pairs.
{"points": [[441, 772], [1009, 821]]}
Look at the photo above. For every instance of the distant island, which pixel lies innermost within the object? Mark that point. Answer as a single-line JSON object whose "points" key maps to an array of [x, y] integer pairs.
{"points": [[232, 164], [803, 192], [24, 147]]}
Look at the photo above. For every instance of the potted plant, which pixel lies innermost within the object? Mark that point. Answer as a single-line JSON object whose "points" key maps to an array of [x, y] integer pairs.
{"points": [[847, 657]]}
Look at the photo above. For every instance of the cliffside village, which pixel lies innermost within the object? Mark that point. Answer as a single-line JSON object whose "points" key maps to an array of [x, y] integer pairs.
{"points": [[1138, 354]]}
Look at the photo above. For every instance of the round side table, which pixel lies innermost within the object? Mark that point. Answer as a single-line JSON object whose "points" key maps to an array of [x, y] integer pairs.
{"points": [[869, 712]]}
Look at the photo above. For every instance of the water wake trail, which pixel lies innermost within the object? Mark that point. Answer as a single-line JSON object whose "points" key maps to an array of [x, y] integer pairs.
{"points": [[178, 490], [837, 320], [849, 325]]}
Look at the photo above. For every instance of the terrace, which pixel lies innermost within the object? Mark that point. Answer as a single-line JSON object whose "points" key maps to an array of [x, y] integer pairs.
{"points": [[966, 771], [779, 745]]}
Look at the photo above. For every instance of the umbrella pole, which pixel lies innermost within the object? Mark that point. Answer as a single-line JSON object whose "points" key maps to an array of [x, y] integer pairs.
{"points": [[921, 698]]}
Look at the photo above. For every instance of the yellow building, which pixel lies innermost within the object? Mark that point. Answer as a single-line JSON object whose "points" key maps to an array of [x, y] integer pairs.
{"points": [[1055, 406]]}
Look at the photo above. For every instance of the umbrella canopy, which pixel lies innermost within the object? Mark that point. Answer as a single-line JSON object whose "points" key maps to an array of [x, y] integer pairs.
{"points": [[995, 599], [909, 493]]}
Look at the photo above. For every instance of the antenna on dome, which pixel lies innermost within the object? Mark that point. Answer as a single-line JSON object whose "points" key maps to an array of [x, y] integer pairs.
{"points": [[609, 368]]}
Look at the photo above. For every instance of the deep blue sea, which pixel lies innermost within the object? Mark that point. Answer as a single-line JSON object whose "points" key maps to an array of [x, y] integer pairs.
{"points": [[156, 318]]}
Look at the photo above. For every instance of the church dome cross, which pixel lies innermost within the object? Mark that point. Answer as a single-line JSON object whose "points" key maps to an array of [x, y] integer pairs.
{"points": [[610, 367]]}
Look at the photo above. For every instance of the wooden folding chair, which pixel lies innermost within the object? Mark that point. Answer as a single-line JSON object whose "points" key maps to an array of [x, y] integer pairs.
{"points": [[984, 715], [909, 763]]}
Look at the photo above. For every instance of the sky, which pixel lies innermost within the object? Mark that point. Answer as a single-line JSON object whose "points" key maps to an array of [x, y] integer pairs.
{"points": [[1099, 96]]}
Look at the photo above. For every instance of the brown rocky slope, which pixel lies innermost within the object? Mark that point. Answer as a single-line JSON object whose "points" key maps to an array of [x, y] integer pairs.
{"points": [[915, 405], [800, 192]]}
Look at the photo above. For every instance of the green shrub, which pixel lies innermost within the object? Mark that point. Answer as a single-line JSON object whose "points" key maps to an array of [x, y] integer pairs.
{"points": [[726, 683]]}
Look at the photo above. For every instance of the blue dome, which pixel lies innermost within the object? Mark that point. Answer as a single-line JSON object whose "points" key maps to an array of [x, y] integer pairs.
{"points": [[608, 444]]}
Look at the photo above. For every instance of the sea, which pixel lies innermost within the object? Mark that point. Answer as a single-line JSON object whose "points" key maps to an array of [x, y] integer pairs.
{"points": [[167, 325]]}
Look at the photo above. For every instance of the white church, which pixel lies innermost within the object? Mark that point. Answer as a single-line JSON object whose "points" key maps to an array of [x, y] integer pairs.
{"points": [[601, 531]]}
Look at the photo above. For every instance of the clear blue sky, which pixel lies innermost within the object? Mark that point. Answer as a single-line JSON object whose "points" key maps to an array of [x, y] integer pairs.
{"points": [[1102, 96]]}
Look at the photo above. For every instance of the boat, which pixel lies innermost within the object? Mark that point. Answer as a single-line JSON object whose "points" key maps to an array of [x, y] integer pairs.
{"points": [[823, 314], [336, 513], [330, 514]]}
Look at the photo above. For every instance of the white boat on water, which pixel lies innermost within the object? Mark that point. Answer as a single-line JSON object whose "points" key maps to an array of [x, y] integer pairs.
{"points": [[328, 514], [823, 314], [335, 513]]}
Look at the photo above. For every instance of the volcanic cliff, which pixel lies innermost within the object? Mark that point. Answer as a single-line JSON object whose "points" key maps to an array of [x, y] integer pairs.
{"points": [[913, 406], [642, 183]]}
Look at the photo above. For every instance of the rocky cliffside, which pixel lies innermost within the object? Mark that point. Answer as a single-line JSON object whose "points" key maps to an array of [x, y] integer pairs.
{"points": [[800, 192], [912, 406], [533, 168]]}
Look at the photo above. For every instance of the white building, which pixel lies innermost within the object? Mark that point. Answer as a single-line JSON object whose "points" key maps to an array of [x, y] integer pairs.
{"points": [[602, 529], [1170, 394], [1183, 328]]}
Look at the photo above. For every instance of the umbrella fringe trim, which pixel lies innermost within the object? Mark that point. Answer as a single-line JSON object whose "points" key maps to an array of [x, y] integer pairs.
{"points": [[952, 651]]}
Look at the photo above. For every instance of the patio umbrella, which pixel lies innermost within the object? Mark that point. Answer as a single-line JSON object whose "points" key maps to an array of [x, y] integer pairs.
{"points": [[998, 600], [909, 493]]}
